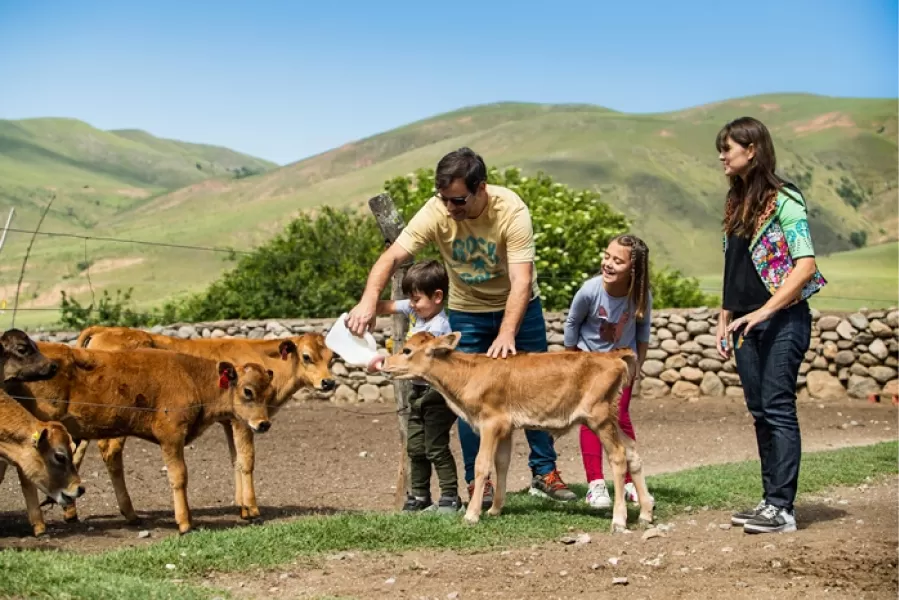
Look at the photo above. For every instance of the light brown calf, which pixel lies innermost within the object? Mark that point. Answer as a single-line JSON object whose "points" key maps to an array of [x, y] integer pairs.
{"points": [[301, 361], [163, 397], [549, 391], [40, 450]]}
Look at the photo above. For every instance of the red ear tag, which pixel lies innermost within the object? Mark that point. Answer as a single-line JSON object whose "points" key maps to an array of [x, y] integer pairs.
{"points": [[224, 382]]}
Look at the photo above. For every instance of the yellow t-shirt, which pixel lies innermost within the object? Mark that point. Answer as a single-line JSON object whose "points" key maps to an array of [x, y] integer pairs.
{"points": [[477, 252]]}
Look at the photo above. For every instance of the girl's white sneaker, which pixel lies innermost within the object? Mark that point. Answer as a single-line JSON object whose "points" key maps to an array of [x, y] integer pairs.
{"points": [[598, 494]]}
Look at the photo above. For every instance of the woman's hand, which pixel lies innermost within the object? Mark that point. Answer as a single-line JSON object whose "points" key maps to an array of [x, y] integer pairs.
{"points": [[748, 321], [721, 337]]}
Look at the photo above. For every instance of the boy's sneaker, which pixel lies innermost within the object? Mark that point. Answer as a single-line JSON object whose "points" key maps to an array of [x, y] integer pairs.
{"points": [[598, 494], [771, 519], [416, 503], [630, 494], [450, 504], [740, 517], [487, 500], [551, 486]]}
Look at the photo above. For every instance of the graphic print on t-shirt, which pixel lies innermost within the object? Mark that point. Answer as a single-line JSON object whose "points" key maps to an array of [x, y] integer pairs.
{"points": [[475, 259], [608, 331]]}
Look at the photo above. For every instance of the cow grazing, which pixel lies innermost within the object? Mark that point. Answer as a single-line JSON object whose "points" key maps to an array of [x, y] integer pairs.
{"points": [[550, 391], [301, 361], [40, 450], [163, 397]]}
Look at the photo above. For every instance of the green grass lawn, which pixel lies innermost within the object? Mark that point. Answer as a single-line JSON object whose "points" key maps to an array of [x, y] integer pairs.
{"points": [[143, 572]]}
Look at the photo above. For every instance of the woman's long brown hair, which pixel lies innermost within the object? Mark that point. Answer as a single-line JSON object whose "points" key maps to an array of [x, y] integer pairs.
{"points": [[638, 292], [751, 201]]}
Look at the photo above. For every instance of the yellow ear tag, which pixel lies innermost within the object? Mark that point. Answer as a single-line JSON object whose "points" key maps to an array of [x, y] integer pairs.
{"points": [[389, 344], [35, 437]]}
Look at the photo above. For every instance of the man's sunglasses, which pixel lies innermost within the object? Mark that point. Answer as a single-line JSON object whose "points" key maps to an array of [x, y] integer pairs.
{"points": [[456, 200]]}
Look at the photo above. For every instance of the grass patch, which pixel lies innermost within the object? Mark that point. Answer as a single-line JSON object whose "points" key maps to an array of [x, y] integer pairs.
{"points": [[142, 571]]}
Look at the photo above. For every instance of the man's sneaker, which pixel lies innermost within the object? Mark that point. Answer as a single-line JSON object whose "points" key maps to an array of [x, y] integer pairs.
{"points": [[487, 500], [740, 517], [551, 486], [630, 494], [598, 494], [771, 519], [449, 504], [416, 504]]}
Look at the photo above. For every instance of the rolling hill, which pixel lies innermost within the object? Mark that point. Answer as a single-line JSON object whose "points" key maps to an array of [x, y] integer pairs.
{"points": [[659, 169]]}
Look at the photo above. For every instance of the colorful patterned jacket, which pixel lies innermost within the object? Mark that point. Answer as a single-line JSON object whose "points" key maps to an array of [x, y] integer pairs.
{"points": [[783, 236]]}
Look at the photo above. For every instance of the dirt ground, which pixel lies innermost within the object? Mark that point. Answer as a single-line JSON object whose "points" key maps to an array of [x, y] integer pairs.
{"points": [[320, 458]]}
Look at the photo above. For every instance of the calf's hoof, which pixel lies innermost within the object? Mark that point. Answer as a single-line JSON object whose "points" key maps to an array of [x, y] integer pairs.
{"points": [[619, 527], [39, 529], [471, 519], [184, 528], [494, 511], [645, 521], [133, 519], [70, 514], [249, 513]]}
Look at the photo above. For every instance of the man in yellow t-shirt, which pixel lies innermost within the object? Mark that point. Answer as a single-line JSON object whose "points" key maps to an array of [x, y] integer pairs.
{"points": [[485, 236]]}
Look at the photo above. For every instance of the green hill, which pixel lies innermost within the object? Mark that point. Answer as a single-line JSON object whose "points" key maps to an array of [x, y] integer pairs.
{"points": [[660, 169]]}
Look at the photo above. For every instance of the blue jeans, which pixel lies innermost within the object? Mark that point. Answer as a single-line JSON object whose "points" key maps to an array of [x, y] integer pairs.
{"points": [[478, 332], [768, 364]]}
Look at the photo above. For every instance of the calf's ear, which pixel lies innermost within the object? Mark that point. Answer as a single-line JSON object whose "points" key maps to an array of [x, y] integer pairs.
{"points": [[286, 348], [227, 375], [444, 344]]}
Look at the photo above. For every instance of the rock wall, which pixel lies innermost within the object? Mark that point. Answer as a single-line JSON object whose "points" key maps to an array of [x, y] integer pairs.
{"points": [[852, 355]]}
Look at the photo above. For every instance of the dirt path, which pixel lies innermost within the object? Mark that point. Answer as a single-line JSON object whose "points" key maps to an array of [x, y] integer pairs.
{"points": [[312, 462], [845, 548]]}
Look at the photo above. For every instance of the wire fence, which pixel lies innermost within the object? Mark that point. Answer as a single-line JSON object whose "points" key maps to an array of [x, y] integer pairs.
{"points": [[10, 305]]}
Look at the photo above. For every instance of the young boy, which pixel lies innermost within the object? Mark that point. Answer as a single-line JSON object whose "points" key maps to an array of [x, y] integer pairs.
{"points": [[426, 285]]}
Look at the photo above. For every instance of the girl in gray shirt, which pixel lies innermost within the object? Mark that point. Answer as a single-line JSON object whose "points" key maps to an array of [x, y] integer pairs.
{"points": [[612, 310]]}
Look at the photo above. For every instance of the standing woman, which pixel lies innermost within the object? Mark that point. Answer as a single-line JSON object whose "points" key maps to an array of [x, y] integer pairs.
{"points": [[769, 274]]}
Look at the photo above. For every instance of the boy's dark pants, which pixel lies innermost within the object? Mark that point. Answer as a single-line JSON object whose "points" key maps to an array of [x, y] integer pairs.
{"points": [[430, 422]]}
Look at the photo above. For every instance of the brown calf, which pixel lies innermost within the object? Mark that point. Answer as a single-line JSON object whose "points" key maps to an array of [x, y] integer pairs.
{"points": [[163, 397], [549, 391], [40, 450], [297, 362]]}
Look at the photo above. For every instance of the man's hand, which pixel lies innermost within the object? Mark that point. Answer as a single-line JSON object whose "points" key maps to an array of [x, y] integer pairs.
{"points": [[503, 345], [361, 317]]}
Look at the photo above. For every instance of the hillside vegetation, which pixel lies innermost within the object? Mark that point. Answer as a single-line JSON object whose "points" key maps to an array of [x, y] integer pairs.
{"points": [[660, 170]]}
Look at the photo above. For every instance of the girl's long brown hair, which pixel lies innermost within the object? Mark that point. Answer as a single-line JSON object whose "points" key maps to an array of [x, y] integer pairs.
{"points": [[638, 292], [751, 201]]}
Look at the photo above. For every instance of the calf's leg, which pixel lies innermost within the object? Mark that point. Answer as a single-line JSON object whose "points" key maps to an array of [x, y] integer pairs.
{"points": [[111, 451], [232, 451], [635, 467], [611, 441], [173, 454], [482, 464], [245, 451], [503, 458], [32, 506]]}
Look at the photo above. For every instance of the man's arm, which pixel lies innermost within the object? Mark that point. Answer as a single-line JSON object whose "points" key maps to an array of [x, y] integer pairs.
{"points": [[521, 278], [367, 309]]}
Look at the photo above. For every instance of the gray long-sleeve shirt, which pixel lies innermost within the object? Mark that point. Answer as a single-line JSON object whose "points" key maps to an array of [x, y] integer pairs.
{"points": [[598, 322]]}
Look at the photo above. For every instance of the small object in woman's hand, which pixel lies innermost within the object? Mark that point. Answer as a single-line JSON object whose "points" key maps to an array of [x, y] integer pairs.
{"points": [[740, 341]]}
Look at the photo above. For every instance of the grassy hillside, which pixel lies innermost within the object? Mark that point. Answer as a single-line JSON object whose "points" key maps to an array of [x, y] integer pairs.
{"points": [[660, 169]]}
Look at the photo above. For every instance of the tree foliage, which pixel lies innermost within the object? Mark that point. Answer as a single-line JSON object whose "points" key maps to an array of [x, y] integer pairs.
{"points": [[319, 265]]}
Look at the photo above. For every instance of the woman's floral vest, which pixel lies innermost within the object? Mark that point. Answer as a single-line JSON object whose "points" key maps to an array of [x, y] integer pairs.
{"points": [[770, 246]]}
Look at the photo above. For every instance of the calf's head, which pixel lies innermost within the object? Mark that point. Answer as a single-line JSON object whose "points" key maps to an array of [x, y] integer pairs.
{"points": [[21, 360], [251, 387], [50, 466], [310, 359], [419, 354]]}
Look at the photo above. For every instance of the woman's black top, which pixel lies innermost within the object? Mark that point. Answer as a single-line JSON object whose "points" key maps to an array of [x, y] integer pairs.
{"points": [[743, 288]]}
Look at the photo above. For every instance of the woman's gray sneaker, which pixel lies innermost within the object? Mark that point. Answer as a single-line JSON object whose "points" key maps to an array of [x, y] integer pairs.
{"points": [[740, 518], [772, 519]]}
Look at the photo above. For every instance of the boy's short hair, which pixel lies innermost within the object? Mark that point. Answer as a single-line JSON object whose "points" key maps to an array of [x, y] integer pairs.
{"points": [[426, 277]]}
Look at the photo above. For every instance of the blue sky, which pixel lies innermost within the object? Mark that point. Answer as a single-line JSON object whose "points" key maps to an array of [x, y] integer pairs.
{"points": [[280, 80]]}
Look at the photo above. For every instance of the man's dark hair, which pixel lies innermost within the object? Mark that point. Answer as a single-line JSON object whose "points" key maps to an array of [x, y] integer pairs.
{"points": [[463, 163], [426, 277]]}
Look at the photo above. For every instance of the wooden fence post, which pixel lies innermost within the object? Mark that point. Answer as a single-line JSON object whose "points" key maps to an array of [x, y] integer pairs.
{"points": [[391, 223]]}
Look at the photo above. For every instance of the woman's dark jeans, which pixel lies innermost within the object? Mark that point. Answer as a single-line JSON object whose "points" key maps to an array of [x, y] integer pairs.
{"points": [[768, 364]]}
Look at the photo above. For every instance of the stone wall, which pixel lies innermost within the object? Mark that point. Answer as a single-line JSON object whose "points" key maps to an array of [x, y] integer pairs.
{"points": [[852, 355]]}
